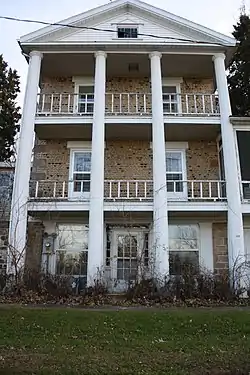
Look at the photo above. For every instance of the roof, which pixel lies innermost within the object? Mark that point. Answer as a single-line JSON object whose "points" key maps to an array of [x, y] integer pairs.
{"points": [[199, 32]]}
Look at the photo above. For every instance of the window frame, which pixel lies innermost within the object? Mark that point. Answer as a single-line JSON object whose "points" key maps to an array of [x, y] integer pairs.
{"points": [[71, 192], [199, 243], [53, 258], [173, 82], [87, 82], [127, 26], [183, 195]]}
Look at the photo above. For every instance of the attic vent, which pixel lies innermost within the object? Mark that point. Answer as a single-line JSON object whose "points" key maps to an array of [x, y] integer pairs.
{"points": [[133, 67]]}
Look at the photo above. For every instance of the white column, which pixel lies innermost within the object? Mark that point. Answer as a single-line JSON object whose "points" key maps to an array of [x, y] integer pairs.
{"points": [[18, 216], [235, 223], [96, 220], [160, 224]]}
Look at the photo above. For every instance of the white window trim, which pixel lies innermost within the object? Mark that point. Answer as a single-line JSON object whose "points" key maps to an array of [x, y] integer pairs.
{"points": [[52, 266], [179, 147], [81, 81], [128, 25], [205, 244], [71, 193], [175, 81]]}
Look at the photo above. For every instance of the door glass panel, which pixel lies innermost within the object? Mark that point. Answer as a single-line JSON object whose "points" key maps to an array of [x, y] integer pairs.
{"points": [[127, 246]]}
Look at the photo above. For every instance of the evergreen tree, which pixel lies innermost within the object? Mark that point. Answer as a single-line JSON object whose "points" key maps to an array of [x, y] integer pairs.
{"points": [[9, 111], [239, 69]]}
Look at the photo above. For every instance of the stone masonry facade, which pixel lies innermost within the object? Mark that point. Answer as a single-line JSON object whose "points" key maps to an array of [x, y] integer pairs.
{"points": [[124, 160], [220, 247], [124, 99]]}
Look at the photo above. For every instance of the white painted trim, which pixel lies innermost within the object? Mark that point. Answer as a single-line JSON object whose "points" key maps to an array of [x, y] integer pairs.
{"points": [[176, 146], [83, 119], [206, 246], [75, 205], [172, 81], [83, 81], [84, 145], [71, 193]]}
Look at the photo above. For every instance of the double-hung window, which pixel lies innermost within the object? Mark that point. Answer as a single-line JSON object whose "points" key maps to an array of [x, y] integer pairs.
{"points": [[85, 102], [184, 249], [175, 172], [80, 172], [170, 100]]}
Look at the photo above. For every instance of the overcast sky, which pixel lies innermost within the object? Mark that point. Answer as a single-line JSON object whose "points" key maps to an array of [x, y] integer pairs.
{"points": [[219, 15]]}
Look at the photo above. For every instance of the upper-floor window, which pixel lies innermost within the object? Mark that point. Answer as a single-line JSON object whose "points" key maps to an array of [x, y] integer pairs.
{"points": [[85, 102], [127, 32], [175, 171], [80, 172], [170, 99]]}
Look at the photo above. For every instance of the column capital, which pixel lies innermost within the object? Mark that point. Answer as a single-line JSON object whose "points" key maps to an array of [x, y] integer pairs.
{"points": [[221, 56], [100, 53], [155, 54], [36, 53]]}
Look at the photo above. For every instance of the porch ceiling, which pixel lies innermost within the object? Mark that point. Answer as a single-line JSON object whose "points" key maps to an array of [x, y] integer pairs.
{"points": [[173, 132], [82, 64]]}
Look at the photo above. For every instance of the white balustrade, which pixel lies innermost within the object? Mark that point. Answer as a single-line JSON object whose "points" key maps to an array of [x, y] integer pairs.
{"points": [[127, 104], [137, 190]]}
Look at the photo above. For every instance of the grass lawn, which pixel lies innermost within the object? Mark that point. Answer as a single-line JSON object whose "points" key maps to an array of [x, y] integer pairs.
{"points": [[64, 341]]}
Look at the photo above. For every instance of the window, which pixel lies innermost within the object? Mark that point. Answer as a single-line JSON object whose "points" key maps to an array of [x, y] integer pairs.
{"points": [[81, 170], [86, 99], [183, 249], [127, 32], [170, 99], [127, 257], [174, 165], [6, 184], [72, 251]]}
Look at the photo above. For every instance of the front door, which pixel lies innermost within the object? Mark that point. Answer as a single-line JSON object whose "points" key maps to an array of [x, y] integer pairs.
{"points": [[127, 256]]}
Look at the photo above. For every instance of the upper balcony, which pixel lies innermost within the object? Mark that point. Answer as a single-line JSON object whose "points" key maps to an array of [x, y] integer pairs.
{"points": [[128, 104], [67, 93]]}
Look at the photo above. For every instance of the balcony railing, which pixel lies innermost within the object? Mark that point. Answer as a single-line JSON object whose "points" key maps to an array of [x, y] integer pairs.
{"points": [[131, 190], [127, 104]]}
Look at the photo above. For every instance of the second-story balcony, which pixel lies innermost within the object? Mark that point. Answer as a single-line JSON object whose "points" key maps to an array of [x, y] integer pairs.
{"points": [[127, 104], [128, 190]]}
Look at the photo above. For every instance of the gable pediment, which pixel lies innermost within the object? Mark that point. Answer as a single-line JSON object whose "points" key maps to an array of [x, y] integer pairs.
{"points": [[100, 25]]}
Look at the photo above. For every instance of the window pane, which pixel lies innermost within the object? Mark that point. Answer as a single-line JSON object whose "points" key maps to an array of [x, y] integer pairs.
{"points": [[71, 263], [174, 161], [82, 161], [183, 232], [127, 32], [72, 237], [184, 262]]}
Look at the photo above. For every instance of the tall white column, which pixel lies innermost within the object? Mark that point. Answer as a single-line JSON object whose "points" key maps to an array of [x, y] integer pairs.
{"points": [[160, 223], [18, 216], [235, 222], [96, 220]]}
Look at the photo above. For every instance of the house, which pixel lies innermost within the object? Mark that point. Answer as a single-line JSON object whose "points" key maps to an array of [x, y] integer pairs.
{"points": [[136, 158]]}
